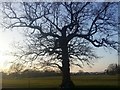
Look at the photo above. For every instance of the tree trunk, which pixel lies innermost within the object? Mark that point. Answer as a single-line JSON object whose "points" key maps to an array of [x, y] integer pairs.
{"points": [[66, 79]]}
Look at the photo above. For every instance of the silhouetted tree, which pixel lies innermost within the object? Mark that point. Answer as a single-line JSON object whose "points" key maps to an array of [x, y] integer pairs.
{"points": [[64, 32], [16, 68], [113, 69]]}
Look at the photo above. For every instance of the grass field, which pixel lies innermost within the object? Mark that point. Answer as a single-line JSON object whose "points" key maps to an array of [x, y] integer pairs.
{"points": [[54, 82]]}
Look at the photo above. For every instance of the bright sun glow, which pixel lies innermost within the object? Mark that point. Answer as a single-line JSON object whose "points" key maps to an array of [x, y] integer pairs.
{"points": [[6, 40], [4, 47]]}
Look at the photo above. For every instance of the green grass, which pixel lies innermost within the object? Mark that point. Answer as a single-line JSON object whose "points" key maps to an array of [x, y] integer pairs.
{"points": [[54, 82], [42, 82], [98, 80]]}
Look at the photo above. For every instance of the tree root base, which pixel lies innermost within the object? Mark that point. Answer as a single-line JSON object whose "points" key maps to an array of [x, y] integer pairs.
{"points": [[65, 86]]}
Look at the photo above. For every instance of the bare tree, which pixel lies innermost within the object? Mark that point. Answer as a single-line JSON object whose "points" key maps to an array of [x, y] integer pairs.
{"points": [[113, 69], [64, 32], [16, 68]]}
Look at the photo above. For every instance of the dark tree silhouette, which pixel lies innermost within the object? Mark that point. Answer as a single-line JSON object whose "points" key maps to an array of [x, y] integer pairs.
{"points": [[64, 32], [113, 69]]}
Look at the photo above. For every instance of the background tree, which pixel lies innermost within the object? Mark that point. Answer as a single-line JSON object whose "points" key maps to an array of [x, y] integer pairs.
{"points": [[16, 68], [64, 32], [113, 69]]}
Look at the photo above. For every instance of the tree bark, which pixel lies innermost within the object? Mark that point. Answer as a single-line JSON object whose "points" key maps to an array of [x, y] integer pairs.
{"points": [[66, 79]]}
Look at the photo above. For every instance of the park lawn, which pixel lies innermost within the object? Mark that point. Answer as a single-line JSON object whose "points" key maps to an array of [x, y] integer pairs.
{"points": [[54, 82], [41, 82], [96, 80]]}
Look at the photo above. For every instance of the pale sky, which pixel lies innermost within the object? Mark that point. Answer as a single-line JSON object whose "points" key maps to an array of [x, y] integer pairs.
{"points": [[7, 38]]}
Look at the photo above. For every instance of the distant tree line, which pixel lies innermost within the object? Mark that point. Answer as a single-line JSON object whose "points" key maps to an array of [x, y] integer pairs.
{"points": [[29, 73], [112, 69]]}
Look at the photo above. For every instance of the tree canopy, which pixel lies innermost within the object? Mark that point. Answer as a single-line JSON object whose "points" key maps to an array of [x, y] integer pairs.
{"points": [[64, 32]]}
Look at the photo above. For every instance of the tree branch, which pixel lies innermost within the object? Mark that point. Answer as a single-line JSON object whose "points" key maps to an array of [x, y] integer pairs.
{"points": [[53, 24]]}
